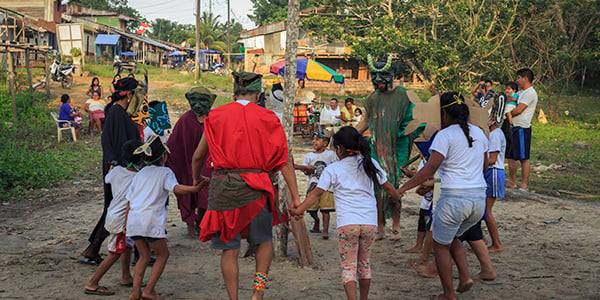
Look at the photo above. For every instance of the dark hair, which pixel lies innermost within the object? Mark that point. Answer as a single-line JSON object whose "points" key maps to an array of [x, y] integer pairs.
{"points": [[489, 81], [94, 79], [64, 98], [458, 112], [115, 77], [507, 135], [352, 141], [153, 103], [157, 151], [526, 73], [349, 100], [512, 85], [128, 149], [359, 110], [334, 99]]}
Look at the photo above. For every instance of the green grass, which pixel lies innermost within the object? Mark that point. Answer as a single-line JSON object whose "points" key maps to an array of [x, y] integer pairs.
{"points": [[30, 155]]}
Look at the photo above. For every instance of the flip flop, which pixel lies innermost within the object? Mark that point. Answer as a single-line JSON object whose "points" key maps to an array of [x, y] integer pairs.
{"points": [[100, 291], [395, 235], [525, 190]]}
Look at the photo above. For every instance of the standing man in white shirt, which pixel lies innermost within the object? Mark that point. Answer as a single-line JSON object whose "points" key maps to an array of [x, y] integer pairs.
{"points": [[521, 132]]}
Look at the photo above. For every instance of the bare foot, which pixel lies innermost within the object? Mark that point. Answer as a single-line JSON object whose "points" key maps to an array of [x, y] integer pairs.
{"points": [[441, 297], [395, 235], [427, 271], [258, 295], [325, 236], [415, 249], [486, 276], [511, 185], [135, 296], [150, 295], [380, 236], [464, 286], [494, 248], [417, 261]]}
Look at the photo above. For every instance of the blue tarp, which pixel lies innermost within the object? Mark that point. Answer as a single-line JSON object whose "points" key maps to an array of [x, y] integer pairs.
{"points": [[128, 53], [107, 39]]}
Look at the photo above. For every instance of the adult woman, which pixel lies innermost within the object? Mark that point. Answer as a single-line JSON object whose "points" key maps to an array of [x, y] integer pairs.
{"points": [[95, 87], [113, 84], [459, 152], [66, 113], [347, 112], [118, 129], [95, 110]]}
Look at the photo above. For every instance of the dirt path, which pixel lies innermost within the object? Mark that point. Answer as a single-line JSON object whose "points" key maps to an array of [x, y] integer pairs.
{"points": [[43, 237]]}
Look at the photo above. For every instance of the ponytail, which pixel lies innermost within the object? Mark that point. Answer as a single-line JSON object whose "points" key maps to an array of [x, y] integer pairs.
{"points": [[354, 143], [507, 134], [455, 107]]}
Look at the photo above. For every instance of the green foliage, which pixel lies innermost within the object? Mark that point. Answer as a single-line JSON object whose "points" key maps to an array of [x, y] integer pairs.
{"points": [[271, 11], [29, 152], [75, 52], [118, 6]]}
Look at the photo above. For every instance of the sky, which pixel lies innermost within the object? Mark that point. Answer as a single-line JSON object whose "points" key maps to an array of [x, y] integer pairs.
{"points": [[183, 11]]}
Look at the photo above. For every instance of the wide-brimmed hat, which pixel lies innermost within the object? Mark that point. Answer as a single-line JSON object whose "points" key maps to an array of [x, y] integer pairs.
{"points": [[201, 99]]}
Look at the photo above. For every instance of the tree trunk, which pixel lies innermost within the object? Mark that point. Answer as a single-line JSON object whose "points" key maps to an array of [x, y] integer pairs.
{"points": [[11, 84], [29, 79], [298, 227]]}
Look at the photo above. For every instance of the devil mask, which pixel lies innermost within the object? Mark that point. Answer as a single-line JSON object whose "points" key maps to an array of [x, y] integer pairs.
{"points": [[381, 74]]}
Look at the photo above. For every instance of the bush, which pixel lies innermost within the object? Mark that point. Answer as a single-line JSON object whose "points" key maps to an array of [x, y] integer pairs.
{"points": [[31, 158]]}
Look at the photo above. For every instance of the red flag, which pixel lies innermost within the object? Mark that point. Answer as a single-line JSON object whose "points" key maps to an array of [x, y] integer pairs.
{"points": [[142, 28], [183, 45]]}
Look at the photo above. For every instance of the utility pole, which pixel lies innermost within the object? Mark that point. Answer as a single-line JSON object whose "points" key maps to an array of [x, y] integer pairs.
{"points": [[228, 36], [197, 58]]}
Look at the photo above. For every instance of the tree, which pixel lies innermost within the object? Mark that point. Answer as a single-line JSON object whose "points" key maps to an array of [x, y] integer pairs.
{"points": [[118, 6], [271, 11]]}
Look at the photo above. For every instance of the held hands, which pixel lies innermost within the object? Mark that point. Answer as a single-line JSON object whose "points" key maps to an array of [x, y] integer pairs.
{"points": [[201, 183], [295, 211]]}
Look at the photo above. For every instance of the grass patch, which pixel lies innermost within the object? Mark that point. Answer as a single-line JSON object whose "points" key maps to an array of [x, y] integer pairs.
{"points": [[30, 156]]}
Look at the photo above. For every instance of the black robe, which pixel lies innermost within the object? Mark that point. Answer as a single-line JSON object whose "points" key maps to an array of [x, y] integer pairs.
{"points": [[118, 129]]}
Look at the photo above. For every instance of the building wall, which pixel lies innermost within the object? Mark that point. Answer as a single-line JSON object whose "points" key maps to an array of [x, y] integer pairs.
{"points": [[48, 10]]}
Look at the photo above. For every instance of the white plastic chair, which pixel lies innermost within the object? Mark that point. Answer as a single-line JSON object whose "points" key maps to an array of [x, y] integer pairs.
{"points": [[68, 126]]}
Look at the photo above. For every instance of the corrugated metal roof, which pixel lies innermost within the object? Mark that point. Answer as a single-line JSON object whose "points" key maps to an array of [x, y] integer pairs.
{"points": [[107, 39]]}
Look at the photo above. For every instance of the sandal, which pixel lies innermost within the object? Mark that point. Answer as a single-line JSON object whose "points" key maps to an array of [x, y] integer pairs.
{"points": [[100, 291]]}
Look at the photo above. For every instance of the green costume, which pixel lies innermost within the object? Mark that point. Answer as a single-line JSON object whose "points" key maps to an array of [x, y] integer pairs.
{"points": [[388, 116]]}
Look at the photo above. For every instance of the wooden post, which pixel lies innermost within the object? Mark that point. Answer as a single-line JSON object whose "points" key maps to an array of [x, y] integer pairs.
{"points": [[197, 58], [11, 84], [298, 227], [47, 72], [29, 79]]}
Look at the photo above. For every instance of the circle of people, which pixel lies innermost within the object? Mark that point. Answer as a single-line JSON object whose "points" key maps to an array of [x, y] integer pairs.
{"points": [[223, 165]]}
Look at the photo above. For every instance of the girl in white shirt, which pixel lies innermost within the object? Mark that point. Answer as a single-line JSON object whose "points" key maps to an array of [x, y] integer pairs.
{"points": [[146, 222], [352, 179], [459, 155]]}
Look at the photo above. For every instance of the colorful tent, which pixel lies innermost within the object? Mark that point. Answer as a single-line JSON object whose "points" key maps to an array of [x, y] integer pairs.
{"points": [[309, 69]]}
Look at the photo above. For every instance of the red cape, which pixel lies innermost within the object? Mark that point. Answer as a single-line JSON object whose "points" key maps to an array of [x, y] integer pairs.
{"points": [[244, 137]]}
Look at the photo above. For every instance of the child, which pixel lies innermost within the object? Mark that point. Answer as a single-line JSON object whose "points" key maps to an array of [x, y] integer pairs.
{"points": [[358, 114], [459, 152], [512, 100], [494, 178], [353, 180], [313, 165], [116, 216], [146, 223], [425, 190]]}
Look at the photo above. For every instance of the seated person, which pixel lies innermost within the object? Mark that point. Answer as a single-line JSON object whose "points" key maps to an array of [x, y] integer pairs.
{"points": [[95, 110], [66, 113]]}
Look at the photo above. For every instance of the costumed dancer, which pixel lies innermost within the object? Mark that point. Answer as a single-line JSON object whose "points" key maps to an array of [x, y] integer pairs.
{"points": [[147, 218], [459, 151], [182, 143], [353, 180], [388, 112], [247, 146], [158, 122], [118, 129]]}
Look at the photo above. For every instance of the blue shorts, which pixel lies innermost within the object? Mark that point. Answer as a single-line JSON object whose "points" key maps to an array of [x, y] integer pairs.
{"points": [[521, 144], [495, 183], [456, 211]]}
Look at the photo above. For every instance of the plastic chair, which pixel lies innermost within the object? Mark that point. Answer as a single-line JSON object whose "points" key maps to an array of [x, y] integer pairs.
{"points": [[60, 129]]}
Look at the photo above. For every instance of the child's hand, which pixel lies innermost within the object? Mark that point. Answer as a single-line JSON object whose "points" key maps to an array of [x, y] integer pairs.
{"points": [[201, 183], [407, 172], [309, 170]]}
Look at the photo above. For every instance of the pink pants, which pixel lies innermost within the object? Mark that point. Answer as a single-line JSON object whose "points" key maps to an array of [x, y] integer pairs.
{"points": [[355, 242]]}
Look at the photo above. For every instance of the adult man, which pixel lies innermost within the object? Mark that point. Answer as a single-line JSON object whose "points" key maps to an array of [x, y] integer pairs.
{"points": [[247, 145], [330, 116], [485, 92], [182, 144], [388, 113], [521, 131]]}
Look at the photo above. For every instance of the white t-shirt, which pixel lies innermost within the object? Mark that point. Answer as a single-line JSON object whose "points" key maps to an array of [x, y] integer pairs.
{"points": [[353, 191], [120, 180], [530, 98], [148, 197], [320, 161], [426, 200], [328, 115], [463, 165], [497, 143], [95, 104]]}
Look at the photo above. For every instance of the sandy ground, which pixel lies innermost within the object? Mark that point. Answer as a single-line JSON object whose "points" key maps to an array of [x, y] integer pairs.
{"points": [[41, 239]]}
